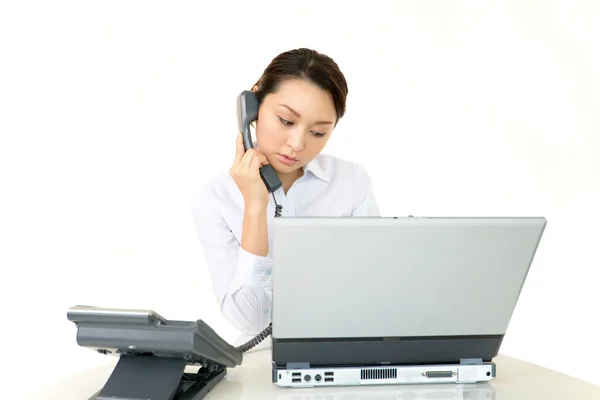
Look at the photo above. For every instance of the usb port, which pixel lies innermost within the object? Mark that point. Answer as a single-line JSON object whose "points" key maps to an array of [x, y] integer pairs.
{"points": [[296, 380], [328, 379], [329, 373], [296, 374]]}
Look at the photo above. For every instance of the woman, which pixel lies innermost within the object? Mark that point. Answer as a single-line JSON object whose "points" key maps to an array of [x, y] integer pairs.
{"points": [[302, 96]]}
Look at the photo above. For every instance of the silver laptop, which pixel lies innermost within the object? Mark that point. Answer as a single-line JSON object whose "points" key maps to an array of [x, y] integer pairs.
{"points": [[369, 300]]}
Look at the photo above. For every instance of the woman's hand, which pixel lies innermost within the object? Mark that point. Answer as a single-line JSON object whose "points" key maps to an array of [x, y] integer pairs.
{"points": [[244, 172]]}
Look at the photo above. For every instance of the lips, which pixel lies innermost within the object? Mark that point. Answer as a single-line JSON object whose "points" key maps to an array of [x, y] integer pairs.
{"points": [[287, 160]]}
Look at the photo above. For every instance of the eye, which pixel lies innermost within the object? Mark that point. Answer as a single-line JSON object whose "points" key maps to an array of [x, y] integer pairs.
{"points": [[318, 134], [285, 122]]}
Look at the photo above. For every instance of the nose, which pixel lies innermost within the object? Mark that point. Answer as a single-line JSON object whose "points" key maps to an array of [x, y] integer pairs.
{"points": [[296, 140]]}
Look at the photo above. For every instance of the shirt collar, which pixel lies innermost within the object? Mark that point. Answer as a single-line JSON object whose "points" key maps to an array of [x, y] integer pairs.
{"points": [[317, 170]]}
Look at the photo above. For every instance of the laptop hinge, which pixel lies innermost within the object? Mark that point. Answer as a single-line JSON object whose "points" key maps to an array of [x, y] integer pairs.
{"points": [[471, 361], [297, 365]]}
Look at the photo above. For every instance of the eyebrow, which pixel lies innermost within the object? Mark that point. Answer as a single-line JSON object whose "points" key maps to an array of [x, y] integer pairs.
{"points": [[297, 114]]}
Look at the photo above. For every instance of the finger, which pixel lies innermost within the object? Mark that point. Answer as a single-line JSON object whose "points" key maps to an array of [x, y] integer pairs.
{"points": [[257, 162], [239, 150], [247, 159], [260, 154]]}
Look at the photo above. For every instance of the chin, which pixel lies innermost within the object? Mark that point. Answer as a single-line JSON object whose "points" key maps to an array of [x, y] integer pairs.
{"points": [[284, 169]]}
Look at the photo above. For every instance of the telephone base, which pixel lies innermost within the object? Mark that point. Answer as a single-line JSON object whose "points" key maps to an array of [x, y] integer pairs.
{"points": [[138, 377]]}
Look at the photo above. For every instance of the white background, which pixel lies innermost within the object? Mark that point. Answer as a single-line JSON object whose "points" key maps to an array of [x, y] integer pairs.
{"points": [[112, 112]]}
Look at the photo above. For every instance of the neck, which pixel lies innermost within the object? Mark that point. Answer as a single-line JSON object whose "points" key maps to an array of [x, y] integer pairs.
{"points": [[287, 180]]}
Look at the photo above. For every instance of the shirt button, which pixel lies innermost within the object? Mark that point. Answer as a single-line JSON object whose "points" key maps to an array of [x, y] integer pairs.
{"points": [[267, 310], [268, 272]]}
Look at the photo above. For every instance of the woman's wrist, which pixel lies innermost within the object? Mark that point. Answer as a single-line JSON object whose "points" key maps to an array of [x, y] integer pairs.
{"points": [[255, 209], [254, 232]]}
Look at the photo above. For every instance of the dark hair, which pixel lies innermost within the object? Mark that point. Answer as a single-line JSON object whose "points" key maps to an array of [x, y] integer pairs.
{"points": [[309, 65]]}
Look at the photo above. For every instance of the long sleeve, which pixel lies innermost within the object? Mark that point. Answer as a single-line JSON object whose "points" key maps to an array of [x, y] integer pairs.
{"points": [[241, 281]]}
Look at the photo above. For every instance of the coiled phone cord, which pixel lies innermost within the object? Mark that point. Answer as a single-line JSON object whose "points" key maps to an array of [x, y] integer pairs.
{"points": [[256, 340], [278, 207], [269, 329]]}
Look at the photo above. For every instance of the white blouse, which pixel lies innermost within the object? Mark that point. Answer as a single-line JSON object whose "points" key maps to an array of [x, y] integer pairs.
{"points": [[241, 281]]}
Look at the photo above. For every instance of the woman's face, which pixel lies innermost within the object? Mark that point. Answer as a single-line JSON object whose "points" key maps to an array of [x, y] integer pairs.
{"points": [[294, 124]]}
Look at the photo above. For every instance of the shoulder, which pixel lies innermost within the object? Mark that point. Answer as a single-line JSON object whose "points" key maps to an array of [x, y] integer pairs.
{"points": [[217, 189], [346, 178]]}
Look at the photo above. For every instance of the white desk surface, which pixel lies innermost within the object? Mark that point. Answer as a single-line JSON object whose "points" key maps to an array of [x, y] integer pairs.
{"points": [[515, 380]]}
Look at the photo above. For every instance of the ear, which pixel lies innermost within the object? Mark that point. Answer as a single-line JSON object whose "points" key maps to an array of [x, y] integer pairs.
{"points": [[254, 88]]}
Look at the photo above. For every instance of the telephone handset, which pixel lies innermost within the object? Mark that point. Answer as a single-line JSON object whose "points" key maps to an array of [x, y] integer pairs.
{"points": [[247, 110]]}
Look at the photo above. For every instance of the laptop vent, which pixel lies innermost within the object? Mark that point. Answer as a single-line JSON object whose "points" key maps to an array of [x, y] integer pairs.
{"points": [[379, 373]]}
